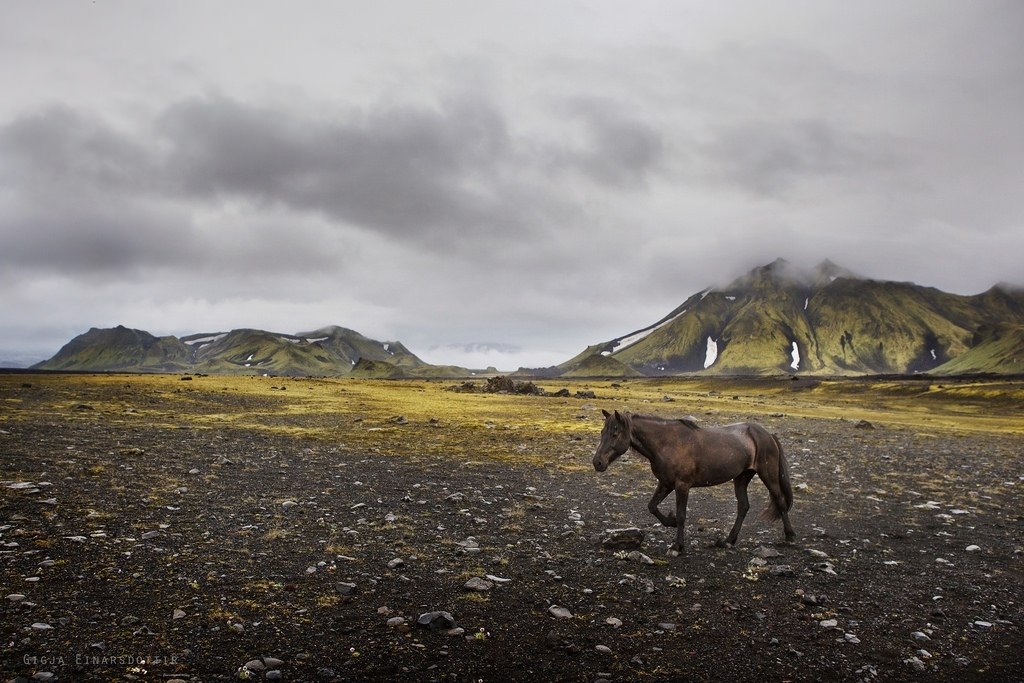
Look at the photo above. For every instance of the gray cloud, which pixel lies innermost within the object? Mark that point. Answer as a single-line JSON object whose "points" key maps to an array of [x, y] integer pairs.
{"points": [[772, 157]]}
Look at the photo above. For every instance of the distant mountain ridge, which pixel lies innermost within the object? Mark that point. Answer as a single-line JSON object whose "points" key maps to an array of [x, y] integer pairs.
{"points": [[779, 318], [329, 351], [775, 319]]}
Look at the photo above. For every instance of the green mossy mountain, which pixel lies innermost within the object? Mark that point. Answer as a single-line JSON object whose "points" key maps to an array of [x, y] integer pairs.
{"points": [[329, 352], [826, 321]]}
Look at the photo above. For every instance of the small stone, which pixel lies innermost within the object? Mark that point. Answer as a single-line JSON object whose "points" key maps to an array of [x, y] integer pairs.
{"points": [[637, 556], [603, 649], [916, 664], [273, 662], [765, 553], [255, 665], [613, 622], [178, 614], [983, 624], [828, 623], [273, 675], [39, 626], [623, 539], [395, 621], [436, 621], [667, 626], [559, 612], [920, 636], [851, 638], [149, 534], [479, 585], [396, 563], [973, 548], [15, 597], [781, 570], [496, 579], [288, 504], [345, 588]]}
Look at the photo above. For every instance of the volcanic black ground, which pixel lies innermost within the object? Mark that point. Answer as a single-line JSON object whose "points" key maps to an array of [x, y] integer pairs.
{"points": [[139, 540]]}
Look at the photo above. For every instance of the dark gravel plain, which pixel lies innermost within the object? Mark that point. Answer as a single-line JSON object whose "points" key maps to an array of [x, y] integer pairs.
{"points": [[135, 548]]}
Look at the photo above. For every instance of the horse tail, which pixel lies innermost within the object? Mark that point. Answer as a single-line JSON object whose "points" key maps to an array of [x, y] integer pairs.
{"points": [[784, 483], [781, 495]]}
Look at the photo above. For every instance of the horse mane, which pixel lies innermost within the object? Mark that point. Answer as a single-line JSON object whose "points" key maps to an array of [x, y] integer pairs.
{"points": [[688, 421]]}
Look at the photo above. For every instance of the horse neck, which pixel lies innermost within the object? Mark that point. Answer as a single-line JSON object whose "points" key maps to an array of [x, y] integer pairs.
{"points": [[638, 438]]}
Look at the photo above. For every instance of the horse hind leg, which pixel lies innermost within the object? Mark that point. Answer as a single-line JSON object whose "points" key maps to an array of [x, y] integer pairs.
{"points": [[742, 505]]}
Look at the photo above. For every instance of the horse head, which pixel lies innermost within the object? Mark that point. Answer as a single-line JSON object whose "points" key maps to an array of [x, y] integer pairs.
{"points": [[615, 440]]}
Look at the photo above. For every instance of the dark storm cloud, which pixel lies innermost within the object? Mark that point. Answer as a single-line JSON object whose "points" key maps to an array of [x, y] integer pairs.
{"points": [[402, 171], [59, 148], [443, 177]]}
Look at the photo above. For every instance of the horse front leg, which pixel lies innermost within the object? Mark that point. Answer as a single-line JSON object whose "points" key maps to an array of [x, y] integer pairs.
{"points": [[679, 547], [659, 495]]}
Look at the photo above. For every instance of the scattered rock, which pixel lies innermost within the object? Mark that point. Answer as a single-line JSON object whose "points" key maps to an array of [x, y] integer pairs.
{"points": [[479, 585], [436, 621], [623, 539], [497, 579], [559, 612], [916, 664]]}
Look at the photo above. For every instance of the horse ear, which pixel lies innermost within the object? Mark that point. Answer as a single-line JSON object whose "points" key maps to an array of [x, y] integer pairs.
{"points": [[606, 413], [617, 416]]}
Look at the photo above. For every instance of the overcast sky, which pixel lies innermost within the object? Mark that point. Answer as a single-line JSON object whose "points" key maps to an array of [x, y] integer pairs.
{"points": [[490, 183]]}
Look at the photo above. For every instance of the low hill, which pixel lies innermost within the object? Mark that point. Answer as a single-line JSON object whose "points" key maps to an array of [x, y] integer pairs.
{"points": [[330, 351], [995, 346], [120, 348]]}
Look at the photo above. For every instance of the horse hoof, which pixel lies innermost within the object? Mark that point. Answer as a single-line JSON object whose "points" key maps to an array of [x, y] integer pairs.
{"points": [[675, 551]]}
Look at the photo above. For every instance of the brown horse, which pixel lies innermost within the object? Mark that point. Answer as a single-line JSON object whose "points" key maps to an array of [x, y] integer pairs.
{"points": [[684, 455]]}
